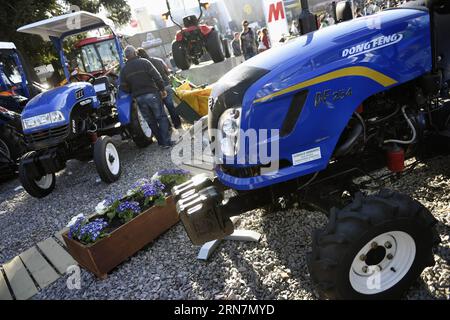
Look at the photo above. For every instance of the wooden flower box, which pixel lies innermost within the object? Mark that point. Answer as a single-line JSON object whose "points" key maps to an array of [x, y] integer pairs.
{"points": [[104, 255]]}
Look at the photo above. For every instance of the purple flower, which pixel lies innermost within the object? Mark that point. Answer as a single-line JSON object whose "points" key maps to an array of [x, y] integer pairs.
{"points": [[110, 200], [87, 232], [129, 206], [140, 183], [159, 185]]}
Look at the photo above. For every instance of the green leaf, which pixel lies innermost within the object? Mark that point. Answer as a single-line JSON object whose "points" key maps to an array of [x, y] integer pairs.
{"points": [[111, 214]]}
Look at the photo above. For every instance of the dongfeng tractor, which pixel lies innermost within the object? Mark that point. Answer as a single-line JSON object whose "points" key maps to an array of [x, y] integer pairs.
{"points": [[194, 40], [77, 120], [340, 103]]}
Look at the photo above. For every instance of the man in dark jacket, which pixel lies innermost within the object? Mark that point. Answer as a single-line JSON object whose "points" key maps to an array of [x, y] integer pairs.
{"points": [[249, 44], [163, 70], [140, 78]]}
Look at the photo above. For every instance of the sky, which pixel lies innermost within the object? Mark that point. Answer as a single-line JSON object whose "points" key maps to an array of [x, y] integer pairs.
{"points": [[156, 7]]}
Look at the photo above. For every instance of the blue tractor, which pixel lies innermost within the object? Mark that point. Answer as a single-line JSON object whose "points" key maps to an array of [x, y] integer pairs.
{"points": [[77, 119], [339, 103], [16, 88]]}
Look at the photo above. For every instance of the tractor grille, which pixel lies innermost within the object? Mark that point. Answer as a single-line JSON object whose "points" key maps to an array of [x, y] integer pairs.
{"points": [[54, 135]]}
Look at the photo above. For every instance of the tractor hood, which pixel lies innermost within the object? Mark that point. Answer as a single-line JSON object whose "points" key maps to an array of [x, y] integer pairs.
{"points": [[61, 99], [348, 43]]}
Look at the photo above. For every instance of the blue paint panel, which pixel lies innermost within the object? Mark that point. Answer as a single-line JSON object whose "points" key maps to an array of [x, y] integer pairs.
{"points": [[59, 99], [124, 102], [318, 54]]}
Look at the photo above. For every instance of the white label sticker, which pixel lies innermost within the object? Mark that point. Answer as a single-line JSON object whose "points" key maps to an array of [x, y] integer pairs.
{"points": [[100, 87], [306, 156]]}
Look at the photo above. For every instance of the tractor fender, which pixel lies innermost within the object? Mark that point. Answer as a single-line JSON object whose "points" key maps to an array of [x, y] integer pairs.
{"points": [[335, 69], [62, 99], [124, 104], [204, 29]]}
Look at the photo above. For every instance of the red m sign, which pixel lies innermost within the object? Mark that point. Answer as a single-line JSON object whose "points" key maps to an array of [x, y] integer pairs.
{"points": [[275, 10]]}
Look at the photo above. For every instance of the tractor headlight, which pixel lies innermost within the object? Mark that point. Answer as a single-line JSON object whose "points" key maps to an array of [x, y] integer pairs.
{"points": [[229, 128], [43, 119]]}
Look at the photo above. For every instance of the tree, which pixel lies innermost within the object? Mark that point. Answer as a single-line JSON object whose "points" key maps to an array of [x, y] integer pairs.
{"points": [[17, 13]]}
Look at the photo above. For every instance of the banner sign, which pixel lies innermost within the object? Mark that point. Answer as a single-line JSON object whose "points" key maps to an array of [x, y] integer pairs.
{"points": [[276, 19]]}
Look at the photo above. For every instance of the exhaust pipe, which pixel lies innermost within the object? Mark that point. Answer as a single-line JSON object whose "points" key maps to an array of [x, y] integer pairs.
{"points": [[307, 20]]}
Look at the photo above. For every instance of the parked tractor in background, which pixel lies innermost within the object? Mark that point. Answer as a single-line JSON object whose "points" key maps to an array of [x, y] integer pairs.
{"points": [[77, 120], [194, 40], [16, 88]]}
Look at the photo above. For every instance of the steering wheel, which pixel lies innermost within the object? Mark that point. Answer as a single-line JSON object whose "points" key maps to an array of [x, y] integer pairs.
{"points": [[76, 77]]}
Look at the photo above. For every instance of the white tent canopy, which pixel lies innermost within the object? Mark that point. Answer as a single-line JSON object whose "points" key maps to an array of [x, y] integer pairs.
{"points": [[7, 45], [68, 23]]}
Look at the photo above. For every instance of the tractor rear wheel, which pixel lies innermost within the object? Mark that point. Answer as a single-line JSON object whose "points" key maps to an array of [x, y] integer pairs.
{"points": [[37, 188], [180, 55], [214, 46], [106, 159], [374, 248], [140, 130]]}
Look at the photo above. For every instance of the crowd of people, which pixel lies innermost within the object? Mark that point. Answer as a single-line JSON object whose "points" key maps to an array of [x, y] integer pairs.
{"points": [[249, 43], [362, 8]]}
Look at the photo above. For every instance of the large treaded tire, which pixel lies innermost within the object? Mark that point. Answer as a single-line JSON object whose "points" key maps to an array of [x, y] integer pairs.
{"points": [[102, 161], [32, 186], [180, 55], [138, 133], [214, 46], [350, 229]]}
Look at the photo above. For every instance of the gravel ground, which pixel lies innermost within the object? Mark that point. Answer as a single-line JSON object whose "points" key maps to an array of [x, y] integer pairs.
{"points": [[275, 268]]}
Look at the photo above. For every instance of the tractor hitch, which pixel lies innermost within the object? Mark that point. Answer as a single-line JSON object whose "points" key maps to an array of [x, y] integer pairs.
{"points": [[205, 210], [200, 210]]}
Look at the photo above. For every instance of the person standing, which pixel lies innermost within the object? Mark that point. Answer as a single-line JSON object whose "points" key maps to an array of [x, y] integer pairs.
{"points": [[236, 45], [265, 39], [249, 45], [140, 78], [294, 28], [163, 70], [358, 13]]}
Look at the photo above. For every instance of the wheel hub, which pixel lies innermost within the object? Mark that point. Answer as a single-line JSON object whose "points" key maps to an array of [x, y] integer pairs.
{"points": [[112, 159], [375, 256], [382, 262]]}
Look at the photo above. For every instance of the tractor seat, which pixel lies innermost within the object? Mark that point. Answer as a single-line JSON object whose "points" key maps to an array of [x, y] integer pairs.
{"points": [[190, 21]]}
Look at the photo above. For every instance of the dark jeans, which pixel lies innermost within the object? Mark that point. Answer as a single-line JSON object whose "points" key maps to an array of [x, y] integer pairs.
{"points": [[176, 121], [152, 110]]}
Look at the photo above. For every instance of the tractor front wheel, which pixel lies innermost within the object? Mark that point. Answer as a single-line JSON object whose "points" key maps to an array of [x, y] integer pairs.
{"points": [[374, 248], [214, 46], [37, 188], [106, 159], [180, 55]]}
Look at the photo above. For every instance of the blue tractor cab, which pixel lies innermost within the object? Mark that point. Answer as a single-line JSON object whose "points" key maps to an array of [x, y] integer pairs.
{"points": [[307, 123], [77, 119]]}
